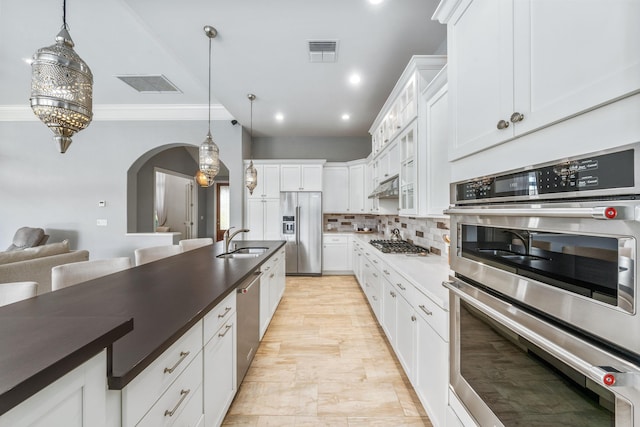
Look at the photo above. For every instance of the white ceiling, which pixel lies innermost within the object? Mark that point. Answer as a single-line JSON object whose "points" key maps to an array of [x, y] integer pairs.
{"points": [[261, 48]]}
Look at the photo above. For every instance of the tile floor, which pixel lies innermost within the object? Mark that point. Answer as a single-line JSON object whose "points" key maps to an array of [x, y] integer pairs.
{"points": [[324, 361]]}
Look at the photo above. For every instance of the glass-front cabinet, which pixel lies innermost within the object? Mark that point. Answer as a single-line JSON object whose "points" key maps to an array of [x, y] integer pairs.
{"points": [[407, 141]]}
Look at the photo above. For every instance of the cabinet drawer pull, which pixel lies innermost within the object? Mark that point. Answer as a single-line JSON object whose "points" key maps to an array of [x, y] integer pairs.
{"points": [[423, 308], [374, 298], [183, 355], [226, 329], [503, 124], [393, 294], [401, 287], [226, 311], [386, 272], [272, 275], [275, 260], [413, 318], [375, 275], [375, 262], [517, 117], [366, 265], [184, 394]]}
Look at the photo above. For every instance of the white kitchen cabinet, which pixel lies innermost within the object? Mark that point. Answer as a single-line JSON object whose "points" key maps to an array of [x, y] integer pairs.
{"points": [[408, 173], [268, 185], [263, 219], [431, 371], [336, 184], [518, 66], [272, 287], [389, 162], [357, 194], [389, 311], [335, 254], [406, 336], [371, 278], [435, 170], [301, 177], [76, 399], [220, 363]]}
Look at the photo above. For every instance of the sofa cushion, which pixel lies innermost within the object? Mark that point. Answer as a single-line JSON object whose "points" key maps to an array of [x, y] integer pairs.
{"points": [[26, 237], [37, 252]]}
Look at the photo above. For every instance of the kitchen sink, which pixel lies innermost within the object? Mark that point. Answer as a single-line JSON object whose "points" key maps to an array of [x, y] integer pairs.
{"points": [[254, 250], [235, 255]]}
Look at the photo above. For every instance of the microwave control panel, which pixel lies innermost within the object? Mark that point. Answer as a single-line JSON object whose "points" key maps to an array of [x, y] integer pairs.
{"points": [[602, 172]]}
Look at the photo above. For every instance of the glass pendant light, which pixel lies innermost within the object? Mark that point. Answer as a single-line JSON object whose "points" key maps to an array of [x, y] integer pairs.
{"points": [[251, 174], [62, 87], [209, 151], [202, 180]]}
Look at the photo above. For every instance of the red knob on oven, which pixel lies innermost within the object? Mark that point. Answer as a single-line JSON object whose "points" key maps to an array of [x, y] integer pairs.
{"points": [[609, 379], [610, 213]]}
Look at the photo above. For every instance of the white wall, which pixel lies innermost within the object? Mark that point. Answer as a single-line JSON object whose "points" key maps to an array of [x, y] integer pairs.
{"points": [[331, 149], [40, 187]]}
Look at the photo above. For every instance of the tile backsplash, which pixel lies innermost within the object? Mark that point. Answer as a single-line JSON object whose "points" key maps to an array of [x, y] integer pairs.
{"points": [[425, 232]]}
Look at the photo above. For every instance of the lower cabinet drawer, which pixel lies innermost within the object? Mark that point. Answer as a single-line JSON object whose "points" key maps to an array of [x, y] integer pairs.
{"points": [[141, 393], [181, 404], [432, 313], [218, 316]]}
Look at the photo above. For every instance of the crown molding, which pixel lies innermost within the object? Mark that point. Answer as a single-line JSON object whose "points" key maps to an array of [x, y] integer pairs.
{"points": [[129, 112]]}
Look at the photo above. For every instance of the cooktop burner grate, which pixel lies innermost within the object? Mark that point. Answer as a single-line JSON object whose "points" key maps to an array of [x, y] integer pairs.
{"points": [[397, 247]]}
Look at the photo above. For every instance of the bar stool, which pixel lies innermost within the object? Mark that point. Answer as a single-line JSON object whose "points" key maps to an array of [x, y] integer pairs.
{"points": [[145, 255], [190, 244], [66, 275], [16, 291]]}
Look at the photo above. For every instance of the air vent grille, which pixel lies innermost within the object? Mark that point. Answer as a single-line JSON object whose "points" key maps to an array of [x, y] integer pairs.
{"points": [[150, 83], [323, 50]]}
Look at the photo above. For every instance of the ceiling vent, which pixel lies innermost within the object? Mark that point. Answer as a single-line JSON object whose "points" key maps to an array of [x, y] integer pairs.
{"points": [[150, 83], [323, 50]]}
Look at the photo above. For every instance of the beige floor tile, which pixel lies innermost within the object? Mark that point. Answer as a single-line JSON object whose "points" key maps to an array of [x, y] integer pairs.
{"points": [[358, 399], [324, 361]]}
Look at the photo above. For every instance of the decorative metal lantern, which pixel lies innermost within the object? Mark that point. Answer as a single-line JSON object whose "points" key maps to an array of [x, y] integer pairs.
{"points": [[61, 89], [209, 152], [251, 174], [202, 180], [251, 177]]}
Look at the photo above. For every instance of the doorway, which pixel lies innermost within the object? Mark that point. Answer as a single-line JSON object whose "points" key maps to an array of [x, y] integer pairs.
{"points": [[175, 203], [222, 209]]}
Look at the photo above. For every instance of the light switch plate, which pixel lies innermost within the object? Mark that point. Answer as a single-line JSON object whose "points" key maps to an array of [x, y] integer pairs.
{"points": [[102, 203]]}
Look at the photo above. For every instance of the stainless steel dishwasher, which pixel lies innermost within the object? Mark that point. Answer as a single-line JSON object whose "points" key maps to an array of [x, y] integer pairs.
{"points": [[248, 313]]}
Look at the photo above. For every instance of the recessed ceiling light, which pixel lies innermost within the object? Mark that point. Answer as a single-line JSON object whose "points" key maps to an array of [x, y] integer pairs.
{"points": [[279, 117], [28, 61], [346, 117], [375, 1], [354, 79]]}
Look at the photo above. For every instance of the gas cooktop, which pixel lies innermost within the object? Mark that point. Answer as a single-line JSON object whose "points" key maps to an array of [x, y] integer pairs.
{"points": [[397, 247]]}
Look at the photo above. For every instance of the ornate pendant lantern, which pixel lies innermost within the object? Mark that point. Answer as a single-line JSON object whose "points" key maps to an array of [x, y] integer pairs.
{"points": [[251, 174], [209, 152], [203, 180], [61, 88]]}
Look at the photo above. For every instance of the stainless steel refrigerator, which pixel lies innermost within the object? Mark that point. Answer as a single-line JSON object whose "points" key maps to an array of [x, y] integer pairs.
{"points": [[302, 229]]}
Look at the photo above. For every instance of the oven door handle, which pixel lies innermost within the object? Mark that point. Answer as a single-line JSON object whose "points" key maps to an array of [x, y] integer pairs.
{"points": [[600, 212], [517, 320]]}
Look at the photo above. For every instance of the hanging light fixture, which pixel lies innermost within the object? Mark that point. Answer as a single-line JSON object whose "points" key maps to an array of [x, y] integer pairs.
{"points": [[203, 180], [209, 151], [251, 174], [61, 87]]}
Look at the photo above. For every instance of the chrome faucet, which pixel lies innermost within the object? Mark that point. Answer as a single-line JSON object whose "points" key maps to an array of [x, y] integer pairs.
{"points": [[229, 236]]}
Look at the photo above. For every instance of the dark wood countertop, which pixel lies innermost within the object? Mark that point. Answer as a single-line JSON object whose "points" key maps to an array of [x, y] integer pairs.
{"points": [[45, 337]]}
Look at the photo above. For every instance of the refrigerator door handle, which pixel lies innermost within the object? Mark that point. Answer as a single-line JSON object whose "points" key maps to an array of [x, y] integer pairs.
{"points": [[297, 223]]}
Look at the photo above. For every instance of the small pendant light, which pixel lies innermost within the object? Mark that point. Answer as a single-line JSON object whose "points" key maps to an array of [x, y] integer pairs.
{"points": [[209, 151], [62, 87], [251, 174]]}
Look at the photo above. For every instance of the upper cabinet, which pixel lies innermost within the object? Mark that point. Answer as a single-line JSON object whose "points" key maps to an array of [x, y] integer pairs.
{"points": [[518, 66], [268, 181], [301, 177], [336, 182]]}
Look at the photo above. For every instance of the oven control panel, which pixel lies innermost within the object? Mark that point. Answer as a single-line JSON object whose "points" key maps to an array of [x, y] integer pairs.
{"points": [[580, 176]]}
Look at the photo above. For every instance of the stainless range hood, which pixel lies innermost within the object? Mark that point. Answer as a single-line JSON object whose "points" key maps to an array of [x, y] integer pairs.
{"points": [[388, 189]]}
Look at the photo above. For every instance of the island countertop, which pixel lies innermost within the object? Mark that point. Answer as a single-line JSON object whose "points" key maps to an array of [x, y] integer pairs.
{"points": [[160, 300]]}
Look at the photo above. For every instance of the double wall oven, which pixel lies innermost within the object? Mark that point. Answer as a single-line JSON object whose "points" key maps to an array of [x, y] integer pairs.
{"points": [[545, 328]]}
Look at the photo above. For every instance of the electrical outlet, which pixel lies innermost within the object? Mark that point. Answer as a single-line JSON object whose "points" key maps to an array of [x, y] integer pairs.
{"points": [[101, 222]]}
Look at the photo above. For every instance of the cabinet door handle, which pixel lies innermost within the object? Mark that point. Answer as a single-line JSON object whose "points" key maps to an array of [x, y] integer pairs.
{"points": [[423, 308], [517, 117], [272, 274], [401, 287], [386, 272], [226, 329], [183, 355], [184, 394], [374, 298], [502, 124], [226, 311], [375, 262], [413, 318], [393, 294], [375, 275]]}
